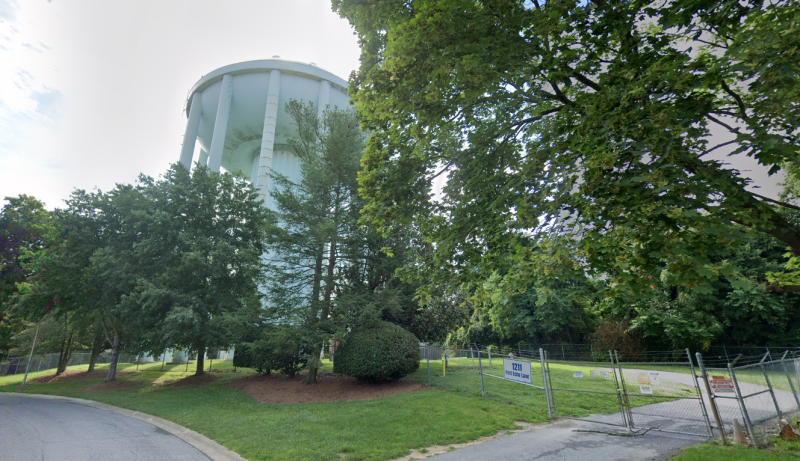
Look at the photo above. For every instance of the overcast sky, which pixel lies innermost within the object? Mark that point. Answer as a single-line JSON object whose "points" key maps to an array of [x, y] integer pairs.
{"points": [[92, 92]]}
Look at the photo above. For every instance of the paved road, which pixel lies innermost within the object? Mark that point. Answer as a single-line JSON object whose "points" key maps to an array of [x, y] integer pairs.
{"points": [[560, 442], [57, 430], [686, 415]]}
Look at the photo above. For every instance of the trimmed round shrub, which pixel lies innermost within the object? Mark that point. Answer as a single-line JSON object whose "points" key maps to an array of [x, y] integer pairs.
{"points": [[376, 352]]}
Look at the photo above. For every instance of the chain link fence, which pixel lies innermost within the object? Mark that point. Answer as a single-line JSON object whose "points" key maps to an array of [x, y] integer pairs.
{"points": [[17, 365], [670, 391], [168, 361]]}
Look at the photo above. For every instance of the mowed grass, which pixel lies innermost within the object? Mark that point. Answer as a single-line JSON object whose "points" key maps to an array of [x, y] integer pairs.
{"points": [[374, 429], [778, 451], [779, 378]]}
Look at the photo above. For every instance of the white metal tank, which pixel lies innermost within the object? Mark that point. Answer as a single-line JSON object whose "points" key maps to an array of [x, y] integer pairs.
{"points": [[237, 114]]}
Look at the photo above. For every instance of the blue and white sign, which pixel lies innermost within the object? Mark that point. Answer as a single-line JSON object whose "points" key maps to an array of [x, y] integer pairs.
{"points": [[517, 370]]}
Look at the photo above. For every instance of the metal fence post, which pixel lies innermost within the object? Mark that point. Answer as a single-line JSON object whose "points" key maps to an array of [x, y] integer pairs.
{"points": [[472, 354], [428, 359], [489, 350], [550, 385], [789, 378], [480, 367], [625, 394], [30, 358], [711, 398], [742, 406], [771, 391], [619, 391], [546, 387], [699, 394]]}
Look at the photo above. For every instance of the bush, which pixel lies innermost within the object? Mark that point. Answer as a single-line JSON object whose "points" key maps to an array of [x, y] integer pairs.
{"points": [[376, 352], [280, 350]]}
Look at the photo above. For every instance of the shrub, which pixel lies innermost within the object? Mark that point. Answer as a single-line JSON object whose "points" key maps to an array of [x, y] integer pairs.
{"points": [[280, 350], [378, 351]]}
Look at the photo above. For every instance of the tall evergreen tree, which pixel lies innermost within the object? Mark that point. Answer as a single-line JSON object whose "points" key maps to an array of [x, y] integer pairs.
{"points": [[312, 220]]}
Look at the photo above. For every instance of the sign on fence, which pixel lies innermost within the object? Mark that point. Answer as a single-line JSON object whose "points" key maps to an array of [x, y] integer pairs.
{"points": [[517, 370], [721, 385]]}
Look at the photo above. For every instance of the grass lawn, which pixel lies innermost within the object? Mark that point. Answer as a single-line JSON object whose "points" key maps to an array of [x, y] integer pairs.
{"points": [[374, 429], [777, 377], [779, 450]]}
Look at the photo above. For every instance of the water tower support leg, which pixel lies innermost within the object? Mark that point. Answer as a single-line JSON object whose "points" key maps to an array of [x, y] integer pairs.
{"points": [[190, 138], [220, 124], [268, 136]]}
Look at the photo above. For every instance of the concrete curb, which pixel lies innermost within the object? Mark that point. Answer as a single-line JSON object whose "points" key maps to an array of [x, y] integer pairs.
{"points": [[205, 445]]}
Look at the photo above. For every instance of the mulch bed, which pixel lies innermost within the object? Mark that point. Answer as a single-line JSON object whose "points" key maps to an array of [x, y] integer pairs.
{"points": [[118, 384], [202, 380], [71, 376], [282, 389]]}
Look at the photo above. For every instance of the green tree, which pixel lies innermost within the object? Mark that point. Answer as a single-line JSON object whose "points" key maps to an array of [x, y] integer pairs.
{"points": [[789, 277], [107, 262], [28, 234], [312, 220], [736, 310], [571, 119], [204, 241]]}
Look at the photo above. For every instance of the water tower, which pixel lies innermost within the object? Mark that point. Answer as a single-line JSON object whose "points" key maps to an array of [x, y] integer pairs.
{"points": [[237, 115]]}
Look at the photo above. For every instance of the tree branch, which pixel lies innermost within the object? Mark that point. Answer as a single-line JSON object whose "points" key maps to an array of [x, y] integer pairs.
{"points": [[723, 124], [781, 288], [717, 147], [585, 80], [738, 99], [777, 202], [538, 117]]}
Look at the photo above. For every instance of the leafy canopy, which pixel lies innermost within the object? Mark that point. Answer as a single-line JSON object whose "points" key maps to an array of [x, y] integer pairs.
{"points": [[590, 121]]}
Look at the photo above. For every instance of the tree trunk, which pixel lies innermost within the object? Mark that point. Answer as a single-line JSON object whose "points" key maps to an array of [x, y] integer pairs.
{"points": [[311, 378], [112, 366], [66, 354], [201, 352], [97, 348], [63, 350]]}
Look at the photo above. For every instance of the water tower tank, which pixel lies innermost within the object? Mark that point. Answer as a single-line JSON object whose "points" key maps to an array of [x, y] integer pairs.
{"points": [[237, 114]]}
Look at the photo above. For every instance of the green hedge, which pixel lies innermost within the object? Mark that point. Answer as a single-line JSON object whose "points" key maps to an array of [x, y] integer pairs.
{"points": [[281, 349], [377, 352]]}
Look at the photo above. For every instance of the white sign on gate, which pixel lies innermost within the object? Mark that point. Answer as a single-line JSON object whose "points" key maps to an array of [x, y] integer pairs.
{"points": [[654, 378], [721, 385], [517, 370]]}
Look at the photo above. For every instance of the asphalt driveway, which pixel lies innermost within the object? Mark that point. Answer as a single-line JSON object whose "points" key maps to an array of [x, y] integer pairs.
{"points": [[574, 441], [60, 430]]}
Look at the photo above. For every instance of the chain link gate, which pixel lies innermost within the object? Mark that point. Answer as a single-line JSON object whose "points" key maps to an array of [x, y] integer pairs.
{"points": [[578, 386], [639, 395]]}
